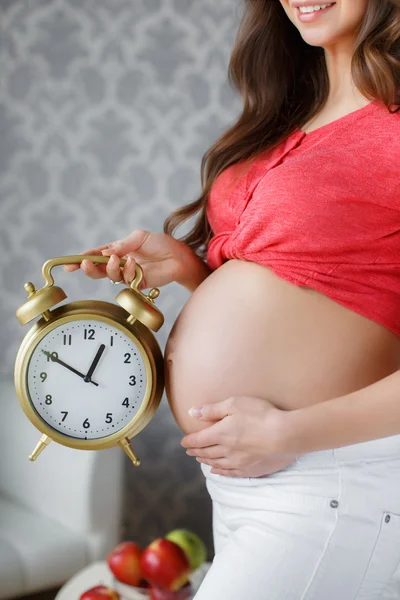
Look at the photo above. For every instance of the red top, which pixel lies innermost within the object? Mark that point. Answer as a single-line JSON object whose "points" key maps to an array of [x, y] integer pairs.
{"points": [[321, 210]]}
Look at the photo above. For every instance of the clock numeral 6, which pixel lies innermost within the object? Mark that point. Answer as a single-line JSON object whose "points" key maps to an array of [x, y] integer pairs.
{"points": [[86, 424], [132, 380], [49, 399], [109, 418]]}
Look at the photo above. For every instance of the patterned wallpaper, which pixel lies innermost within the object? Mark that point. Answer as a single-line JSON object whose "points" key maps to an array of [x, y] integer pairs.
{"points": [[106, 107]]}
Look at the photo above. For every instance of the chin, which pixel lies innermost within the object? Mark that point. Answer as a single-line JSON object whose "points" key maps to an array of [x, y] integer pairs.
{"points": [[319, 38]]}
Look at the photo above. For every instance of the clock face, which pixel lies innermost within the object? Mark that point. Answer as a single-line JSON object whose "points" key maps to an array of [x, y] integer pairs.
{"points": [[86, 379]]}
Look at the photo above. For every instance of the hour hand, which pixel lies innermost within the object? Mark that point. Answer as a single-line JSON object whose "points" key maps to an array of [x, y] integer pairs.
{"points": [[88, 376], [63, 364]]}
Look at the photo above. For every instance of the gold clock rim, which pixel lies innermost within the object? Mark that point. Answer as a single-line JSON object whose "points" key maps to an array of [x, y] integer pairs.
{"points": [[117, 317]]}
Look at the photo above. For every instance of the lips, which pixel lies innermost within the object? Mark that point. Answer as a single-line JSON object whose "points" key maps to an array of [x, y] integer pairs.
{"points": [[300, 4], [309, 11]]}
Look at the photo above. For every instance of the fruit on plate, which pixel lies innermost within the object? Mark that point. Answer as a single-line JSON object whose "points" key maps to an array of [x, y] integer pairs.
{"points": [[185, 593], [165, 565], [193, 546], [100, 592], [124, 563]]}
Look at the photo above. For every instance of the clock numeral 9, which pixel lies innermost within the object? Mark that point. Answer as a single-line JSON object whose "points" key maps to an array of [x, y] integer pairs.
{"points": [[53, 356], [89, 334], [86, 424], [43, 376], [49, 399], [109, 418], [132, 380]]}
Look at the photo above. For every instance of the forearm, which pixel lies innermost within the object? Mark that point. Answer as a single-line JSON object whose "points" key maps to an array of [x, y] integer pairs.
{"points": [[196, 272], [367, 414]]}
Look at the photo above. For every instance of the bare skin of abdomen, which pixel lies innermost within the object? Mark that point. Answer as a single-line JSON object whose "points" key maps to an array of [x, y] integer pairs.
{"points": [[247, 332]]}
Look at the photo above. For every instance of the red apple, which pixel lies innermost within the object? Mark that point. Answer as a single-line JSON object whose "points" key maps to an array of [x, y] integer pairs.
{"points": [[124, 563], [165, 565], [185, 593], [100, 592]]}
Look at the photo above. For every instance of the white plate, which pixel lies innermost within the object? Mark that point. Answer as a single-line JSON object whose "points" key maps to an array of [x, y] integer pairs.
{"points": [[99, 574]]}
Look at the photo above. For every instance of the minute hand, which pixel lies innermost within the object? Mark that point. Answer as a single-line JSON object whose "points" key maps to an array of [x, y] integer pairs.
{"points": [[63, 364], [88, 377]]}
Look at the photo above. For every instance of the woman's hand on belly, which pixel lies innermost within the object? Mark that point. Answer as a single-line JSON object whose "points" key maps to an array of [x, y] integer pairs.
{"points": [[246, 437]]}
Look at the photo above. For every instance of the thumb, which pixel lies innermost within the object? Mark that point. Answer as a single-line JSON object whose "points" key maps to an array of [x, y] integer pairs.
{"points": [[132, 243], [212, 412]]}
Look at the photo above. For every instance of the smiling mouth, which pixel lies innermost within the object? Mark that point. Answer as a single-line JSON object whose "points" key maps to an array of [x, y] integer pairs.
{"points": [[306, 10]]}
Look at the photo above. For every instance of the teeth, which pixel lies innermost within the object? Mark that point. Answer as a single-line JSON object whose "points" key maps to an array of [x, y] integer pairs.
{"points": [[310, 9]]}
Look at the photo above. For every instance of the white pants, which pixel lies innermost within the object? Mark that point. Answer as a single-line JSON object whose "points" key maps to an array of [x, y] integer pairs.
{"points": [[325, 528]]}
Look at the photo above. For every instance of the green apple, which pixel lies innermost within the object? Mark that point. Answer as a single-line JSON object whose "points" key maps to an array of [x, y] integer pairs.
{"points": [[194, 547]]}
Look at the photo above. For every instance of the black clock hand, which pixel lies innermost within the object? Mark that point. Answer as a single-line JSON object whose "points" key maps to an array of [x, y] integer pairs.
{"points": [[63, 364], [88, 377]]}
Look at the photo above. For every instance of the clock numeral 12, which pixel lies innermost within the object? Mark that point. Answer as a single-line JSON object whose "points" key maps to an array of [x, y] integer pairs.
{"points": [[89, 334]]}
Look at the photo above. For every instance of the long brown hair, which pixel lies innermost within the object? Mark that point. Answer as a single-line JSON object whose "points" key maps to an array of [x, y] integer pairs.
{"points": [[283, 83]]}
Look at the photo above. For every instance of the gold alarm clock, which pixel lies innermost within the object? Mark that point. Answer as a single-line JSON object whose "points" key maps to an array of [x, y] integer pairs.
{"points": [[89, 374]]}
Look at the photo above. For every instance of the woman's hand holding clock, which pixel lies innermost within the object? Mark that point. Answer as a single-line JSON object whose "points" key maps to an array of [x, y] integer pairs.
{"points": [[163, 259]]}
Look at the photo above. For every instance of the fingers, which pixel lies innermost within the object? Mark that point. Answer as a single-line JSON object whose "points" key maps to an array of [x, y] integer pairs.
{"points": [[113, 269], [93, 251], [212, 452], [92, 270], [129, 271], [132, 243]]}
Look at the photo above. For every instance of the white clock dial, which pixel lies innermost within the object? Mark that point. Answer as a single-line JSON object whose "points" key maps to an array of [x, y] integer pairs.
{"points": [[86, 379]]}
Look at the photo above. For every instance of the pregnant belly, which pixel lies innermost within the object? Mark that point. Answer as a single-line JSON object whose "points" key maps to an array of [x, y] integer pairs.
{"points": [[247, 332]]}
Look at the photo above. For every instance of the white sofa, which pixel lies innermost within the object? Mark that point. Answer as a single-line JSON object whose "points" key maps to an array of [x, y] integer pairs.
{"points": [[58, 514]]}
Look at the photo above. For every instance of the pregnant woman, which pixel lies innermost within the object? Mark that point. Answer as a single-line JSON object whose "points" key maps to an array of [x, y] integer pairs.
{"points": [[283, 367]]}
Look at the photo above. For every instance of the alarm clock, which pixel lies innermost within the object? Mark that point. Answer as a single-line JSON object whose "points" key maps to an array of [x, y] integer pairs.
{"points": [[89, 374]]}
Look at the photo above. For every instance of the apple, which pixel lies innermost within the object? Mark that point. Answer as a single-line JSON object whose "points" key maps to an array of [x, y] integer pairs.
{"points": [[124, 563], [193, 546], [165, 565], [185, 593], [100, 592]]}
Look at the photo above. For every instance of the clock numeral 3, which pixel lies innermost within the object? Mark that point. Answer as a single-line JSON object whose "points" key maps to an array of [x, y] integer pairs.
{"points": [[126, 402], [132, 380], [109, 418], [86, 424], [49, 399], [89, 334], [65, 413]]}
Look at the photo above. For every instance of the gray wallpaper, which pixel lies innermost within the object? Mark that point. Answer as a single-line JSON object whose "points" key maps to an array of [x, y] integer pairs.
{"points": [[106, 107]]}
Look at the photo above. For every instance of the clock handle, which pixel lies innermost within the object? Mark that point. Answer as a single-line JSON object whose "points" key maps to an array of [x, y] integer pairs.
{"points": [[77, 259], [126, 446], [41, 445]]}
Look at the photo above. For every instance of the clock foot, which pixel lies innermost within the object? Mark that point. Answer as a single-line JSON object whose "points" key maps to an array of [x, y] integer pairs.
{"points": [[127, 448], [43, 443]]}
